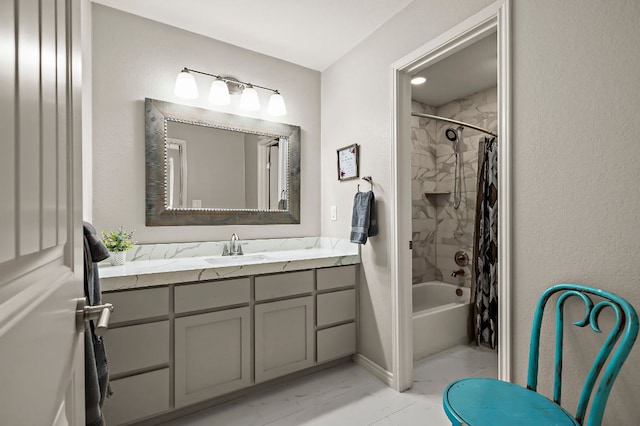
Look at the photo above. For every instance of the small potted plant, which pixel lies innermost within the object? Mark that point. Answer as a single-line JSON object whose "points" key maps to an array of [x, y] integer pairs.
{"points": [[117, 242]]}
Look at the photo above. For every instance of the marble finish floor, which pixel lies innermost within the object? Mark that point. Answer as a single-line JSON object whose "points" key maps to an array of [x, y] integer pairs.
{"points": [[349, 395]]}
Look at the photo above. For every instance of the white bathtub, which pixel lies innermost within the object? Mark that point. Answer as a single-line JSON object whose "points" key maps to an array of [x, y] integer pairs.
{"points": [[440, 317]]}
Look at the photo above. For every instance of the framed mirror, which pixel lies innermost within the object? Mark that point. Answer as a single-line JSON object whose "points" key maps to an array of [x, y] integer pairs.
{"points": [[207, 167]]}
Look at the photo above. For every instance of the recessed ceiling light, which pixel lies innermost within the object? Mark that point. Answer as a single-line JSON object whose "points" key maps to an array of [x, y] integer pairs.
{"points": [[418, 80]]}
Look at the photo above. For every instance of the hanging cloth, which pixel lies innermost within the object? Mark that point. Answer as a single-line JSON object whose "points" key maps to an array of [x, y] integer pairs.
{"points": [[96, 370], [364, 222], [282, 202], [485, 249]]}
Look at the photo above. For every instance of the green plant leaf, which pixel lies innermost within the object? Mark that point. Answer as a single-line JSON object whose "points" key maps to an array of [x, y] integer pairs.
{"points": [[116, 241]]}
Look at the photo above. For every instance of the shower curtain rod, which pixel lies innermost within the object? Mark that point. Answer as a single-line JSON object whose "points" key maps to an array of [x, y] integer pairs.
{"points": [[461, 123]]}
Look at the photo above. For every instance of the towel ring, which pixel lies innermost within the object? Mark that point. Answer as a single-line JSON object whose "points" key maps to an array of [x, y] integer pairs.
{"points": [[367, 179]]}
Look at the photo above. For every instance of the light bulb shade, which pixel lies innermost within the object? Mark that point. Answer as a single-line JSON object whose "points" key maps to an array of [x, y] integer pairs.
{"points": [[276, 105], [186, 86], [249, 99], [219, 93]]}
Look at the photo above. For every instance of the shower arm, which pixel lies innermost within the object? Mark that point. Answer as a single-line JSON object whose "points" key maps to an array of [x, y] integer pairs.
{"points": [[449, 120]]}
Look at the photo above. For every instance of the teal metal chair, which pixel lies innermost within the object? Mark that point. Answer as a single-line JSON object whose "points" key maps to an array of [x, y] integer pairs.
{"points": [[490, 402]]}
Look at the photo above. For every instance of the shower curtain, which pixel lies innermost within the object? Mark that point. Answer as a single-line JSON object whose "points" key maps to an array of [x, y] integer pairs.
{"points": [[485, 249]]}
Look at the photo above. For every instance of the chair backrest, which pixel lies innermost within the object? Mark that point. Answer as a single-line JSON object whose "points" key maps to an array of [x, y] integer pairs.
{"points": [[626, 326]]}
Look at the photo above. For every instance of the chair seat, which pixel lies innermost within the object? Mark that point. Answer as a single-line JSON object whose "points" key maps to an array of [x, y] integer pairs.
{"points": [[490, 402]]}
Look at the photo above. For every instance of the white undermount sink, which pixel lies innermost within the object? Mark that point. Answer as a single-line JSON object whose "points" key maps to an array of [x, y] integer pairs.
{"points": [[238, 260]]}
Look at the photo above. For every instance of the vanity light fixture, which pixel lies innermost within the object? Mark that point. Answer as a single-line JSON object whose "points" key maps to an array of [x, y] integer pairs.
{"points": [[276, 104], [249, 99], [418, 80], [223, 87], [186, 85], [219, 93]]}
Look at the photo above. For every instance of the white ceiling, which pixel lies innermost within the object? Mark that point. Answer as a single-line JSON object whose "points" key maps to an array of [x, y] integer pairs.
{"points": [[311, 33], [467, 71]]}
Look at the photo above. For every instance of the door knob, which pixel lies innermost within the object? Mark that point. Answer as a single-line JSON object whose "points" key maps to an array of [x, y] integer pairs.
{"points": [[101, 313]]}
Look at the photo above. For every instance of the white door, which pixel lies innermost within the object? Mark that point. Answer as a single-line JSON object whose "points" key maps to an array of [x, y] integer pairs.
{"points": [[41, 271]]}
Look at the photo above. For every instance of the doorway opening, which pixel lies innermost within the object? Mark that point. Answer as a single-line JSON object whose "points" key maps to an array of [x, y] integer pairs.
{"points": [[436, 161]]}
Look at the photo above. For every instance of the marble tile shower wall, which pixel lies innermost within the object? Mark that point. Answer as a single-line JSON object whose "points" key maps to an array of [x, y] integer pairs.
{"points": [[439, 230], [423, 179]]}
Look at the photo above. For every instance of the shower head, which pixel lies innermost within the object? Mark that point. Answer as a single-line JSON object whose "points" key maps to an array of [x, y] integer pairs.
{"points": [[451, 134]]}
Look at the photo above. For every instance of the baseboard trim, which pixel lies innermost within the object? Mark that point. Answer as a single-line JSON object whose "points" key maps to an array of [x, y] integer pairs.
{"points": [[176, 413], [383, 375]]}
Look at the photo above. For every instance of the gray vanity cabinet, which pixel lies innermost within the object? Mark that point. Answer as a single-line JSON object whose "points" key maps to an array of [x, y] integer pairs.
{"points": [[181, 344], [284, 340], [336, 313], [284, 337], [211, 355], [138, 349], [212, 350]]}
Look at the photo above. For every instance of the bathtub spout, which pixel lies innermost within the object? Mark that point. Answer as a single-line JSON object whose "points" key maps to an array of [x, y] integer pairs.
{"points": [[458, 273]]}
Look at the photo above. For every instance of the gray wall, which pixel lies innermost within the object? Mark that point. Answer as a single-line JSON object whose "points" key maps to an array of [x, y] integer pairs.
{"points": [[576, 160], [134, 58], [356, 108]]}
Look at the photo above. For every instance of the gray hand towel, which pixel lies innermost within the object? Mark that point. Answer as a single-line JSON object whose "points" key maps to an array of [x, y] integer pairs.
{"points": [[364, 221], [96, 370]]}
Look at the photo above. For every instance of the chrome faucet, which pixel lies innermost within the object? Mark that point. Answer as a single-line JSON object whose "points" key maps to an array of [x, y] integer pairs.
{"points": [[235, 249], [458, 273]]}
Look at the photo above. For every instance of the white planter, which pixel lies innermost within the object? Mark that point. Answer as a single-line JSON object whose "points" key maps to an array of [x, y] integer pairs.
{"points": [[118, 257]]}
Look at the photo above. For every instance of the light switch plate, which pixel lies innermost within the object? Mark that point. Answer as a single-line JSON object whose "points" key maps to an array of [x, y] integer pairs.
{"points": [[334, 213]]}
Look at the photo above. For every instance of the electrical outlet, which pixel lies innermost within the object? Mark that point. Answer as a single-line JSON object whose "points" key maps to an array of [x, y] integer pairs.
{"points": [[334, 213]]}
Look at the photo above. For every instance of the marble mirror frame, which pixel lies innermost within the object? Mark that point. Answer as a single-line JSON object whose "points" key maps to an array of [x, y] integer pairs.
{"points": [[158, 113]]}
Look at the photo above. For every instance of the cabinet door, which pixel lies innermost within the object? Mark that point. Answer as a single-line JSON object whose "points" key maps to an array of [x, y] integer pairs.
{"points": [[137, 397], [284, 340], [211, 355]]}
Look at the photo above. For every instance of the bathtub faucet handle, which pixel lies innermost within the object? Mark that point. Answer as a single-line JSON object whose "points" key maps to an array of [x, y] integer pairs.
{"points": [[459, 273]]}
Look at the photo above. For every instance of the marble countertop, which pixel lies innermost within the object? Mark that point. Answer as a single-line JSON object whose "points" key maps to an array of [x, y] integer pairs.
{"points": [[290, 255]]}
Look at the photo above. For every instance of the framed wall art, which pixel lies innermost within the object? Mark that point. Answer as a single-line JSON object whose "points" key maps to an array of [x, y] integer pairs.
{"points": [[348, 167]]}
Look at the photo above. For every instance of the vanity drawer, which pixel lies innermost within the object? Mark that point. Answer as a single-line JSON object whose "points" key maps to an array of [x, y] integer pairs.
{"points": [[131, 305], [137, 397], [215, 294], [342, 276], [336, 342], [282, 285], [336, 307], [138, 346]]}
